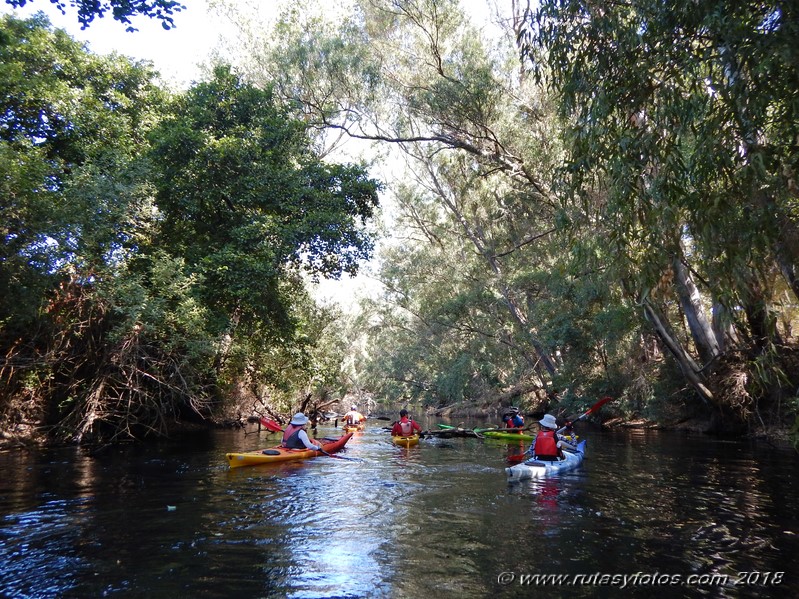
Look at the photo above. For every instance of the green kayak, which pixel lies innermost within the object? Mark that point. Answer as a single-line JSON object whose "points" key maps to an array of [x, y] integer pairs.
{"points": [[495, 434], [449, 427]]}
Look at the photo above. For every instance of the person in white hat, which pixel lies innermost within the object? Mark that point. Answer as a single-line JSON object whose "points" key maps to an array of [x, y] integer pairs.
{"points": [[548, 446], [354, 417], [295, 437]]}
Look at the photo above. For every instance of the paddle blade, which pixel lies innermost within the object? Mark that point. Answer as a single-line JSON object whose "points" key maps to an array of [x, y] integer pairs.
{"points": [[271, 425], [598, 405]]}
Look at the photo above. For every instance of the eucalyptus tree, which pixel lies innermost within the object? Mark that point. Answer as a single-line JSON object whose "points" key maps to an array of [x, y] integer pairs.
{"points": [[683, 121], [439, 333], [417, 75]]}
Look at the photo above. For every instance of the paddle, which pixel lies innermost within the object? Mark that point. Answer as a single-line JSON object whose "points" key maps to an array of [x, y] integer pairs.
{"points": [[335, 455], [590, 411], [521, 457], [271, 425]]}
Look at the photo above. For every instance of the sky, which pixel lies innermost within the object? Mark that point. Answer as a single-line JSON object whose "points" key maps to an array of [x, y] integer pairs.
{"points": [[176, 53]]}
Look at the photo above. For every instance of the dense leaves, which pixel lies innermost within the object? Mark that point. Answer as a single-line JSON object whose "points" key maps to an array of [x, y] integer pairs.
{"points": [[684, 116], [620, 208], [243, 197], [154, 245]]}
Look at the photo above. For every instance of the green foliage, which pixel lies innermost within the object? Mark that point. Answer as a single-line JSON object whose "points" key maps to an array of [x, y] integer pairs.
{"points": [[153, 246], [243, 198], [56, 134]]}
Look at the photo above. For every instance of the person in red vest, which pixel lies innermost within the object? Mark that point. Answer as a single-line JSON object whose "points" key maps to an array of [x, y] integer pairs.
{"points": [[548, 445], [405, 427], [295, 437], [513, 418]]}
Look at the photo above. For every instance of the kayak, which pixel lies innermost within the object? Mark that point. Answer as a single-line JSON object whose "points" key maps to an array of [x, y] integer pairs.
{"points": [[353, 428], [499, 434], [406, 441], [539, 469], [448, 427], [281, 454]]}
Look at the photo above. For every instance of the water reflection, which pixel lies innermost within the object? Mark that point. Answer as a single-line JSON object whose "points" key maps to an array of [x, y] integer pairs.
{"points": [[436, 519]]}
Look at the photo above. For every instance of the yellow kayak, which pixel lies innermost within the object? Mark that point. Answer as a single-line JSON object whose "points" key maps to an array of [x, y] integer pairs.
{"points": [[281, 454], [406, 441], [353, 428]]}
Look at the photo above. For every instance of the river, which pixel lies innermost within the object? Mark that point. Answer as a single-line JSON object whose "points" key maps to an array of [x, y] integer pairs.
{"points": [[647, 514]]}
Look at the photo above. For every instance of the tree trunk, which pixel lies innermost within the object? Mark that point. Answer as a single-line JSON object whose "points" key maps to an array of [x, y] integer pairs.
{"points": [[722, 326], [702, 332], [686, 363]]}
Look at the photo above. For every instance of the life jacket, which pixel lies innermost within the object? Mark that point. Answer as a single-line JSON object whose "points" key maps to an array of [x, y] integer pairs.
{"points": [[546, 445], [353, 418], [514, 421], [406, 428], [291, 437]]}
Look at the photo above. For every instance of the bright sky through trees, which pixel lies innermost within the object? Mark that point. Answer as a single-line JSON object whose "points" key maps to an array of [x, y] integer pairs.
{"points": [[176, 53]]}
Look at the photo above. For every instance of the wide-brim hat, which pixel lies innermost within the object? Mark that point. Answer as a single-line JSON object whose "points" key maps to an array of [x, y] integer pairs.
{"points": [[299, 419], [548, 421]]}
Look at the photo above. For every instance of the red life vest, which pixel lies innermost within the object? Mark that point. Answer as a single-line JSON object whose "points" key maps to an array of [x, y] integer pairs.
{"points": [[406, 428], [546, 445], [291, 437]]}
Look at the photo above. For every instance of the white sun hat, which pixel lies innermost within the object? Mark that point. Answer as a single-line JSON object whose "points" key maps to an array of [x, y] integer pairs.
{"points": [[299, 419], [548, 421]]}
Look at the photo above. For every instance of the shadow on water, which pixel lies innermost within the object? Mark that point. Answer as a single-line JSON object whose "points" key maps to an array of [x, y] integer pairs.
{"points": [[645, 512]]}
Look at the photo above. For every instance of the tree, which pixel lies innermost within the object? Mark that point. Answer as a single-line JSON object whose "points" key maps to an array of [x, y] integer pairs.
{"points": [[57, 136], [415, 74], [482, 143], [153, 245], [245, 200], [685, 117]]}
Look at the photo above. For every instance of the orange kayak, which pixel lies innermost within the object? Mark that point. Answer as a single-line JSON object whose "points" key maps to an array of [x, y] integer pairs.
{"points": [[278, 454]]}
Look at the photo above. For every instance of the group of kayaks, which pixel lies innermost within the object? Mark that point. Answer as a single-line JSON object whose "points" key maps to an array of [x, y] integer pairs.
{"points": [[525, 468], [528, 469], [278, 454]]}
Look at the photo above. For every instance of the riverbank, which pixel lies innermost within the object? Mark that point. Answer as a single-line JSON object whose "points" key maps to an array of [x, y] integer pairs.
{"points": [[779, 434]]}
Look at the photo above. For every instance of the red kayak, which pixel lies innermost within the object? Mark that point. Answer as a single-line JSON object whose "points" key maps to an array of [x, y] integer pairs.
{"points": [[281, 454]]}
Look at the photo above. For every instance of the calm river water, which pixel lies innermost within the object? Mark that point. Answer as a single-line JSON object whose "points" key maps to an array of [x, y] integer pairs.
{"points": [[648, 514]]}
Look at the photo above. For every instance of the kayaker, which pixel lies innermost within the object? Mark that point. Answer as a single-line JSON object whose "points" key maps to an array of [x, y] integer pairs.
{"points": [[353, 417], [295, 437], [513, 419], [548, 446], [406, 426]]}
